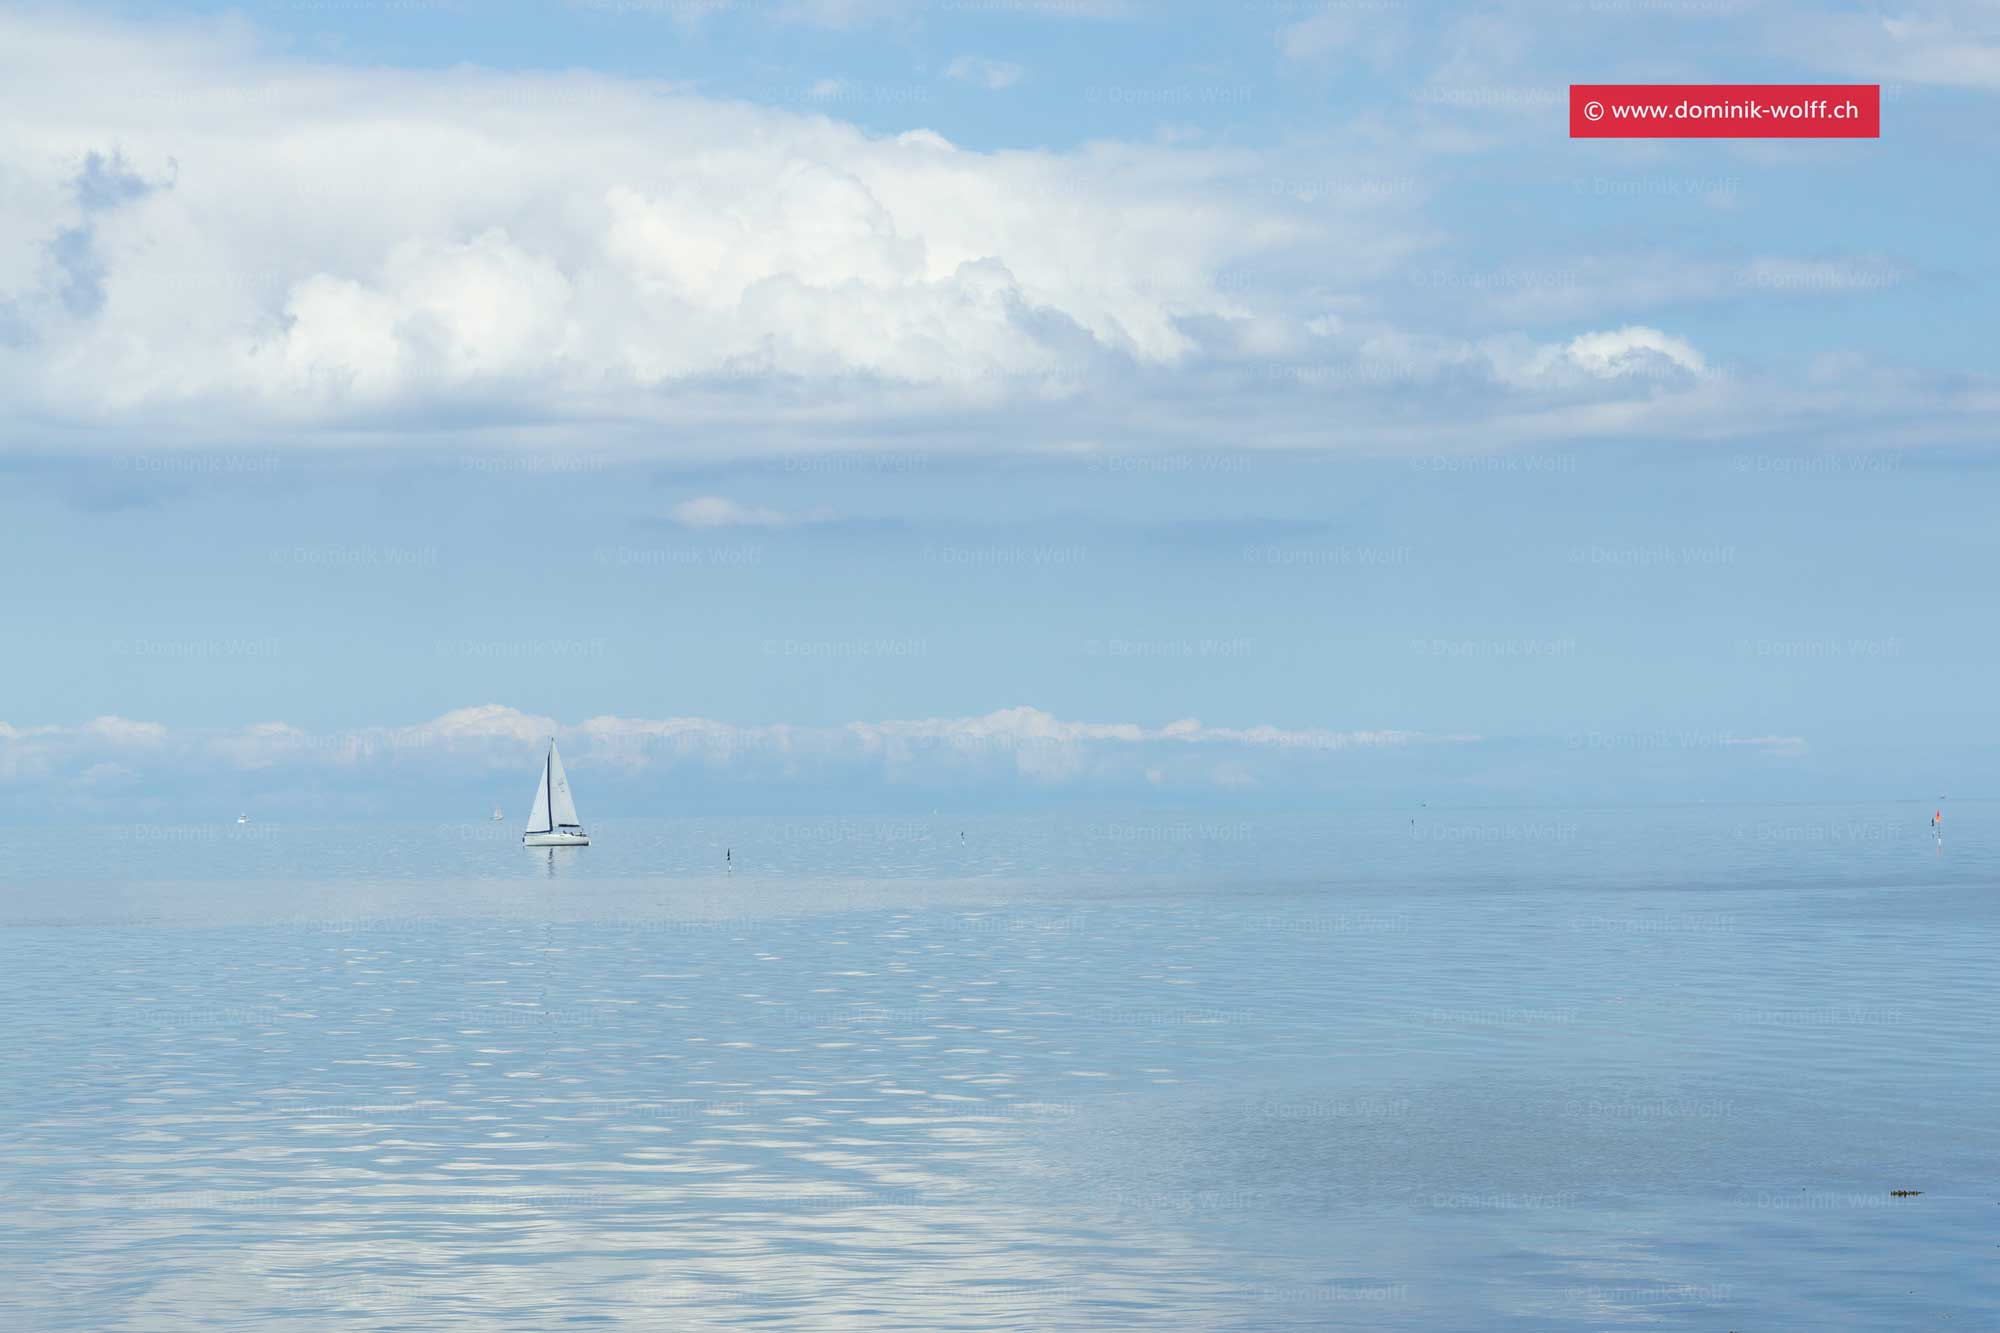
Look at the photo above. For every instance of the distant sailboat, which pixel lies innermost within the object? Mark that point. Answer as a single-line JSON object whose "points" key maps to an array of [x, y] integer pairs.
{"points": [[552, 821], [497, 816]]}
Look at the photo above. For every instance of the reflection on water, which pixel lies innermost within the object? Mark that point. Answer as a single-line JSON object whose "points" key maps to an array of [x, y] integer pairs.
{"points": [[1662, 1076]]}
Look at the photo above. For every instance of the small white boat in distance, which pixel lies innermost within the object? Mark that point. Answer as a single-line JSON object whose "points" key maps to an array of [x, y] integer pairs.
{"points": [[497, 816], [552, 822], [242, 819]]}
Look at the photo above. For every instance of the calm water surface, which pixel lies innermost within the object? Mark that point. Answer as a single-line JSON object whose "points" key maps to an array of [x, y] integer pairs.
{"points": [[1581, 1069]]}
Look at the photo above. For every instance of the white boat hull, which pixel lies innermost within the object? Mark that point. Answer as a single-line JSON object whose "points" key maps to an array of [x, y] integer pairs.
{"points": [[555, 840]]}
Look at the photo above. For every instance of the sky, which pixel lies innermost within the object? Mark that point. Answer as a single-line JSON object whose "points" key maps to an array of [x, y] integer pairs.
{"points": [[859, 404]]}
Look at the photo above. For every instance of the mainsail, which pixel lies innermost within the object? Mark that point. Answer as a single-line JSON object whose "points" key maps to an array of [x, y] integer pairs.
{"points": [[538, 813], [554, 808], [560, 802]]}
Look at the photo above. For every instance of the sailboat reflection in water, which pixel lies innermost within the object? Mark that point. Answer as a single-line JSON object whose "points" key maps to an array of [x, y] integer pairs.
{"points": [[552, 820]]}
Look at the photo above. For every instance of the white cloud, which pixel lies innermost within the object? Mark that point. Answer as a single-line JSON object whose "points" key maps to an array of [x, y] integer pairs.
{"points": [[712, 511], [338, 245], [1619, 360], [1037, 744], [990, 74], [1633, 351], [482, 723], [123, 731], [1020, 751], [1032, 726], [200, 239]]}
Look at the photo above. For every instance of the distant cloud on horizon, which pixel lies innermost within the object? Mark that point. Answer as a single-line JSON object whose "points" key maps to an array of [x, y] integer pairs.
{"points": [[1018, 751], [1021, 744], [256, 745]]}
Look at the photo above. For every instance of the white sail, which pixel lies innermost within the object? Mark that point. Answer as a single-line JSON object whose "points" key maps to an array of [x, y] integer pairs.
{"points": [[538, 813], [559, 798], [552, 820]]}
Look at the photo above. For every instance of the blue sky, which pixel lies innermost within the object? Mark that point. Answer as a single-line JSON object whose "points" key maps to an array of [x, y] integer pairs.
{"points": [[845, 404]]}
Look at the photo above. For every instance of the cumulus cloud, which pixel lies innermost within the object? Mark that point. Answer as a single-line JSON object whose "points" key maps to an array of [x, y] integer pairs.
{"points": [[1631, 353], [343, 243], [203, 238], [272, 245]]}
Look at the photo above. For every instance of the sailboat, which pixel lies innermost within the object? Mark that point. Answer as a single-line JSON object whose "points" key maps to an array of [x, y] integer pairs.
{"points": [[552, 820], [497, 816]]}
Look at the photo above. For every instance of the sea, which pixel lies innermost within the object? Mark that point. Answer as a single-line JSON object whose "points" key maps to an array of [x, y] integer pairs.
{"points": [[1695, 1067]]}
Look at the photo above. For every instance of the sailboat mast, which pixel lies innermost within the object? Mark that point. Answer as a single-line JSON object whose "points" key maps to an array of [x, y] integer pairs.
{"points": [[557, 829]]}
